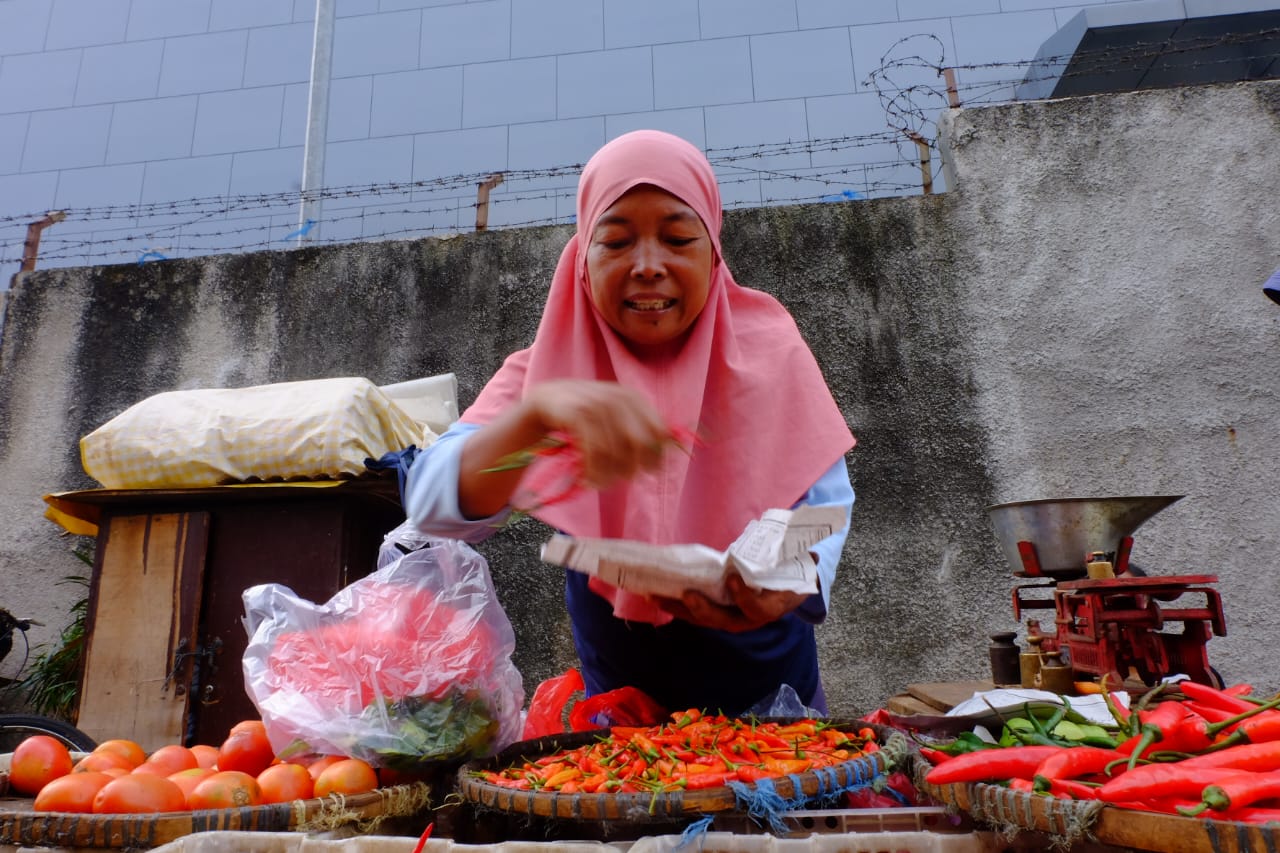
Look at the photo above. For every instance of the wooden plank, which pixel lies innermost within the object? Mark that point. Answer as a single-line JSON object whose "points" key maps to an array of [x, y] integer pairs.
{"points": [[945, 695], [144, 605], [907, 705]]}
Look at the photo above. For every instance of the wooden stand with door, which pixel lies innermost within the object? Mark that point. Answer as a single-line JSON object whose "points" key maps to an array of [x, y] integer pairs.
{"points": [[165, 633]]}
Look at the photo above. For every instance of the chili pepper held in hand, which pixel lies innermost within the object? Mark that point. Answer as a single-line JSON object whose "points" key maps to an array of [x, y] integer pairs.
{"points": [[993, 765]]}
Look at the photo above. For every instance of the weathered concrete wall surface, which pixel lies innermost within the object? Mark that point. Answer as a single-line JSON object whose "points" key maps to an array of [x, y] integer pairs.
{"points": [[1080, 316]]}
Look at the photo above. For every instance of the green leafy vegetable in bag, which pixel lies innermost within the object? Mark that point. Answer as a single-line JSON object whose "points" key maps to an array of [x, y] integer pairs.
{"points": [[416, 730]]}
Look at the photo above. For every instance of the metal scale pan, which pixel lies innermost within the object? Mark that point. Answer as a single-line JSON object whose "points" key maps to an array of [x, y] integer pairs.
{"points": [[1058, 533]]}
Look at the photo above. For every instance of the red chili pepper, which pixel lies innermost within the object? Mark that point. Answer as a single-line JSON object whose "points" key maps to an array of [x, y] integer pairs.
{"points": [[1207, 695], [1262, 728], [1075, 762], [1240, 789], [1210, 712], [1259, 724], [934, 756], [1167, 805], [1254, 814], [1241, 689], [1258, 757], [992, 765], [1160, 781], [1070, 789], [698, 781], [1157, 726], [751, 773]]}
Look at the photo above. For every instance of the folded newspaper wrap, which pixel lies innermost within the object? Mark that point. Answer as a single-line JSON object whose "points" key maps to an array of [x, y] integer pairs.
{"points": [[772, 553]]}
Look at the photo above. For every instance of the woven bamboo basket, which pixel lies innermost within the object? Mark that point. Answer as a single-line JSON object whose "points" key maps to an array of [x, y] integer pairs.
{"points": [[21, 826], [663, 806]]}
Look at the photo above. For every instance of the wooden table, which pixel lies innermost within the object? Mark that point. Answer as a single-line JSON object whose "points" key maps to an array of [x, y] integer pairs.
{"points": [[934, 697]]}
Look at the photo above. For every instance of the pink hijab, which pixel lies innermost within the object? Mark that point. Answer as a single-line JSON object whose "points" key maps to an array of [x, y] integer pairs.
{"points": [[744, 380]]}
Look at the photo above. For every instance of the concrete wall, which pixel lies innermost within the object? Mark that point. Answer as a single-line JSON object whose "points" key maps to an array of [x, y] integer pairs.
{"points": [[1080, 316], [114, 110]]}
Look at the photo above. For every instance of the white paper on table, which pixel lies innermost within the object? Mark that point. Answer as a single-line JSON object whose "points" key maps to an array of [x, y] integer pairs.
{"points": [[1092, 707]]}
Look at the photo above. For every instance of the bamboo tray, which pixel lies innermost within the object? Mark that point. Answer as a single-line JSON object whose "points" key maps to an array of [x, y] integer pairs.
{"points": [[663, 806], [20, 826], [1077, 820]]}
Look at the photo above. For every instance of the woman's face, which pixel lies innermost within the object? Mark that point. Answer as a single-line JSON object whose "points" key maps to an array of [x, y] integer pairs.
{"points": [[649, 264]]}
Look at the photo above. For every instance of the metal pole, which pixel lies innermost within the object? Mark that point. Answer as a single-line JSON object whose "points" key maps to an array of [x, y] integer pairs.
{"points": [[926, 169], [31, 246], [482, 199], [953, 92], [317, 123]]}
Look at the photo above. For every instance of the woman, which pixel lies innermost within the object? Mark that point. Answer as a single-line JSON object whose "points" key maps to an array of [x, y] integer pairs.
{"points": [[645, 338]]}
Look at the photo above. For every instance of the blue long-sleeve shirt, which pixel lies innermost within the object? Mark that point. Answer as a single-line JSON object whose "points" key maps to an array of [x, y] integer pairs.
{"points": [[733, 670]]}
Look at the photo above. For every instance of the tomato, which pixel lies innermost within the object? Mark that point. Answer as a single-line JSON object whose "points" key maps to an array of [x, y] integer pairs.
{"points": [[188, 779], [71, 793], [315, 768], [139, 793], [225, 789], [130, 750], [283, 783], [248, 726], [348, 776], [247, 750], [37, 761], [98, 762], [206, 756], [168, 760]]}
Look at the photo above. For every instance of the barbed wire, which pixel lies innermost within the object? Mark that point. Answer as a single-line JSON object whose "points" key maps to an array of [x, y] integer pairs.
{"points": [[913, 82]]}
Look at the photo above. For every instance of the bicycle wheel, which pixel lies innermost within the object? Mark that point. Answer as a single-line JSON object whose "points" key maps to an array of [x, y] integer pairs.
{"points": [[15, 728]]}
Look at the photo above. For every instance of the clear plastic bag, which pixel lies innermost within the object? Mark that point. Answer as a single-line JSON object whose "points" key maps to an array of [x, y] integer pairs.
{"points": [[407, 666]]}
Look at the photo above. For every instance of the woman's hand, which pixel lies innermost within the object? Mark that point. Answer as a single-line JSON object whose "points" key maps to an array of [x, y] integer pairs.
{"points": [[751, 608], [617, 430]]}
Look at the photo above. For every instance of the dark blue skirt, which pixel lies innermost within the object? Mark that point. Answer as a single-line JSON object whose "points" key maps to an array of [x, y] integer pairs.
{"points": [[687, 666]]}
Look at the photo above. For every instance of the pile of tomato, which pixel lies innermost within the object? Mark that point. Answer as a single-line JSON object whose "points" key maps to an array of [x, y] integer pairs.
{"points": [[119, 777]]}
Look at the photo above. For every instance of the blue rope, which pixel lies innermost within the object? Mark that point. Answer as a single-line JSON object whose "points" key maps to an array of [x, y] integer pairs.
{"points": [[695, 832], [762, 800]]}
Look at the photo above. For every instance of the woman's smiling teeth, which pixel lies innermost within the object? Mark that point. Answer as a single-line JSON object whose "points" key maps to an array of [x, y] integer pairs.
{"points": [[649, 304]]}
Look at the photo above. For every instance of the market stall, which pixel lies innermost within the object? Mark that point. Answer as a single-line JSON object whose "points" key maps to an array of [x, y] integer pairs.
{"points": [[371, 645]]}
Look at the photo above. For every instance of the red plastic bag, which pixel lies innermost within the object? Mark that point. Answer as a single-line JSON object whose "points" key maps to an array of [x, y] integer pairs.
{"points": [[558, 706], [548, 709], [625, 706]]}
